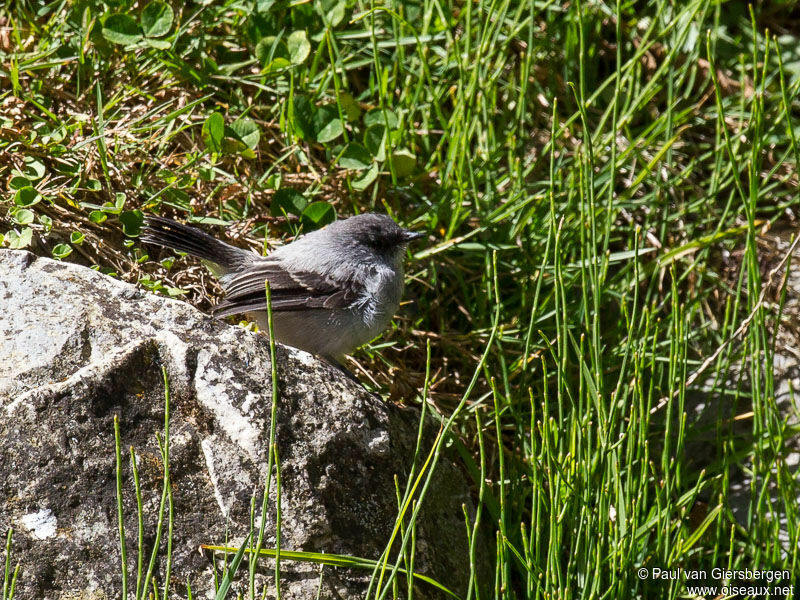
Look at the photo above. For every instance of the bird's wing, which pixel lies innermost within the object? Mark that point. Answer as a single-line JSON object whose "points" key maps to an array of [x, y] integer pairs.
{"points": [[295, 290]]}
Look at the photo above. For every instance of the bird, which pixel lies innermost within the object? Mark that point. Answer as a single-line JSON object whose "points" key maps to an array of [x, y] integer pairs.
{"points": [[332, 289]]}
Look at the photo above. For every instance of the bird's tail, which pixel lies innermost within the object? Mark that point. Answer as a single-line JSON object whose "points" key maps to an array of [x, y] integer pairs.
{"points": [[171, 234]]}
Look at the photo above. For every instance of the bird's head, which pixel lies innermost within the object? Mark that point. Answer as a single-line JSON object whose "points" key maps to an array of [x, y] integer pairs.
{"points": [[375, 233]]}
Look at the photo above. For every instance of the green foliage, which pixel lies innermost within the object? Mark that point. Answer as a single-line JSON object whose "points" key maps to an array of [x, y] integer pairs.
{"points": [[155, 21], [213, 132], [131, 222], [61, 251], [121, 29], [623, 161], [21, 216], [317, 214], [287, 201], [327, 124], [298, 46], [247, 131], [9, 576], [19, 239], [27, 196], [356, 157]]}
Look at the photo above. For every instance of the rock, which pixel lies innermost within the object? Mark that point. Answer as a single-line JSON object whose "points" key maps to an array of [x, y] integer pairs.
{"points": [[79, 347]]}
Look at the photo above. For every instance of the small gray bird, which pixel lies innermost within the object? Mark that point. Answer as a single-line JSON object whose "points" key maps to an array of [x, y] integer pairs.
{"points": [[333, 289]]}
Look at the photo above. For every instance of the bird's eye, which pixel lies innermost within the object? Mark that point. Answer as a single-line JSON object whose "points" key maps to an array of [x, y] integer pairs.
{"points": [[377, 240]]}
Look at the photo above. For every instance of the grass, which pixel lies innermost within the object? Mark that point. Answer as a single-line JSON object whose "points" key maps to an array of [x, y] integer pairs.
{"points": [[597, 312]]}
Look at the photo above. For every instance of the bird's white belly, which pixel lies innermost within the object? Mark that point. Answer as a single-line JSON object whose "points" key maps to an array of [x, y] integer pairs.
{"points": [[334, 333], [331, 333]]}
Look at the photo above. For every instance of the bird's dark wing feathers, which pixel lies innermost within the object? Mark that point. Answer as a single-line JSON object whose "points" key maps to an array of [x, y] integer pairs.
{"points": [[298, 290]]}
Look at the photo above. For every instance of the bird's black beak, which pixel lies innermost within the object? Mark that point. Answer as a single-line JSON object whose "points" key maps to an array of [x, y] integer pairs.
{"points": [[410, 236]]}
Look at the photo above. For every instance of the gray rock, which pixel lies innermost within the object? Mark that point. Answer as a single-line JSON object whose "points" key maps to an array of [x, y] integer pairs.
{"points": [[78, 348]]}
